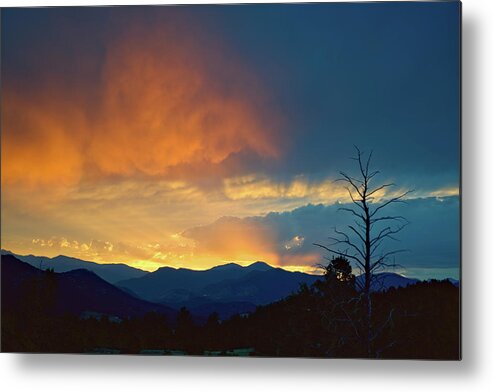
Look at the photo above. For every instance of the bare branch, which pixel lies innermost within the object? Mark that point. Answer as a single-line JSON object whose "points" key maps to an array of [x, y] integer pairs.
{"points": [[393, 200], [373, 174], [390, 217], [356, 232], [384, 265], [360, 163], [387, 232], [349, 178], [355, 201], [337, 241], [355, 258], [351, 181], [352, 212], [347, 241], [381, 259], [368, 164], [380, 188]]}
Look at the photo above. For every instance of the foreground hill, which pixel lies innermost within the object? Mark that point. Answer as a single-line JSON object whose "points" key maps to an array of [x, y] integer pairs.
{"points": [[75, 292], [110, 272]]}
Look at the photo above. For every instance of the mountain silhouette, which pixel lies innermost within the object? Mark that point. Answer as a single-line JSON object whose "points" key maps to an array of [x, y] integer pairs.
{"points": [[227, 289], [259, 286], [110, 272], [76, 292], [182, 284], [386, 280]]}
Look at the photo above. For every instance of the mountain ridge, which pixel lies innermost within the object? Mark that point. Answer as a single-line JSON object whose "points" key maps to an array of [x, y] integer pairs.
{"points": [[157, 286], [111, 272], [171, 285], [227, 289], [75, 292]]}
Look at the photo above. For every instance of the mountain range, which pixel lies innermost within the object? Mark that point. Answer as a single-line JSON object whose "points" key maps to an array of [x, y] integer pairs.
{"points": [[122, 290], [226, 289], [258, 282], [110, 272], [75, 292]]}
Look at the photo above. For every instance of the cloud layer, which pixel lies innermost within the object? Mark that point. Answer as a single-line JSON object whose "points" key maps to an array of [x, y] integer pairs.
{"points": [[432, 237], [190, 136], [164, 102]]}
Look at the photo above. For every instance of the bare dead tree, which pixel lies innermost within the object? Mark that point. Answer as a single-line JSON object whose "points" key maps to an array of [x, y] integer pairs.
{"points": [[362, 242]]}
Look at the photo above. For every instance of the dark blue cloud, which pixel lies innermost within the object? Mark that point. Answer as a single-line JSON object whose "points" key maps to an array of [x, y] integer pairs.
{"points": [[431, 238], [383, 76]]}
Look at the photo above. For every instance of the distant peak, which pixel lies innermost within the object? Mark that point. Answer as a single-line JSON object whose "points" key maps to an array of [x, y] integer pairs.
{"points": [[65, 258], [80, 272], [165, 268], [226, 266], [259, 265]]}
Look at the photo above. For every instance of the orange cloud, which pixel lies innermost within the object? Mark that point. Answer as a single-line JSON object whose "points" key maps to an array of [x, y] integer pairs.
{"points": [[164, 99], [235, 239], [257, 187], [168, 101], [41, 139]]}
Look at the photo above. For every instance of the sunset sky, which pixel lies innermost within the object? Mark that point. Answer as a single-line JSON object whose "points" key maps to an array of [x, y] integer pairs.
{"points": [[193, 136]]}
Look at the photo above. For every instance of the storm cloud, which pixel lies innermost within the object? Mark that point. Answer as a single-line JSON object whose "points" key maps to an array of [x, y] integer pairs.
{"points": [[431, 239]]}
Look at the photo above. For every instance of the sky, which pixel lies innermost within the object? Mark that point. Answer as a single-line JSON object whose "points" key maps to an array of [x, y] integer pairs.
{"points": [[193, 136]]}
